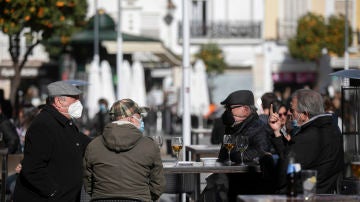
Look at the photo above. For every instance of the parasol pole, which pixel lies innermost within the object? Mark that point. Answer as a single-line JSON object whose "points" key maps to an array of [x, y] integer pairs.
{"points": [[186, 76], [119, 54]]}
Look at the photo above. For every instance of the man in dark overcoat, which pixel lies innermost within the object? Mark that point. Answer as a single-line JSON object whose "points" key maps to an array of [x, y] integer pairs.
{"points": [[54, 147], [317, 145], [241, 119]]}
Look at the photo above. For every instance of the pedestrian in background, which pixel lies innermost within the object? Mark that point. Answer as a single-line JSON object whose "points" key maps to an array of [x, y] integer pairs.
{"points": [[52, 165], [8, 135]]}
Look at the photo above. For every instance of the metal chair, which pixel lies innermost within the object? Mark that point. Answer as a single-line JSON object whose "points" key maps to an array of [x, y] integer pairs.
{"points": [[179, 184]]}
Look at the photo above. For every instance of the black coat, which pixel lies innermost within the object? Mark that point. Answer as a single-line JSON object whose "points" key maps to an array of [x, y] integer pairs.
{"points": [[319, 146], [259, 141], [52, 164], [10, 138]]}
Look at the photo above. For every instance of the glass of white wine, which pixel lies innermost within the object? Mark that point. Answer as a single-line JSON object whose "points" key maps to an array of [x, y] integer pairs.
{"points": [[158, 139], [242, 143], [177, 145], [229, 144]]}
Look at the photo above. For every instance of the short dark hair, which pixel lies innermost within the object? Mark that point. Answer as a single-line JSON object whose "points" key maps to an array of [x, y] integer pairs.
{"points": [[267, 99]]}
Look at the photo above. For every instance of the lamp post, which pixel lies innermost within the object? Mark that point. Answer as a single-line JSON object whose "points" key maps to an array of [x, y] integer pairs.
{"points": [[96, 34], [169, 18], [346, 53], [186, 74], [119, 53], [170, 10]]}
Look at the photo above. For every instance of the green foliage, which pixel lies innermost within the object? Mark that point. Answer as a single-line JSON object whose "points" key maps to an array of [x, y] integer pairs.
{"points": [[213, 58], [335, 39], [44, 19], [313, 34], [309, 40], [47, 17]]}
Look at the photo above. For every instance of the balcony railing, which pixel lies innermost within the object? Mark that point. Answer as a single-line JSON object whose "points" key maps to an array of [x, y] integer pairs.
{"points": [[286, 30], [224, 30]]}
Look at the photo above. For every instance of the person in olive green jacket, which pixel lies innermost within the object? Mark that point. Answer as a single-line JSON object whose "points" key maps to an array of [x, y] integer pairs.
{"points": [[122, 163]]}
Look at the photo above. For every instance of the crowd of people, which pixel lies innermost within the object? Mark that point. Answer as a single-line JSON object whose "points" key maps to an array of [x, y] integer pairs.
{"points": [[118, 162]]}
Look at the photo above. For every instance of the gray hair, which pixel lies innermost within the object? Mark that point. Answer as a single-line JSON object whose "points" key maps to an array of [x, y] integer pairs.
{"points": [[309, 101]]}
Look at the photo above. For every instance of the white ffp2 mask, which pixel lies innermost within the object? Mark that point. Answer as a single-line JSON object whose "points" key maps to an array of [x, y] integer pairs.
{"points": [[75, 109]]}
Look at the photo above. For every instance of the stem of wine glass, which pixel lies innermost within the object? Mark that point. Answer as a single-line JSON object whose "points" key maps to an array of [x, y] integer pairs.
{"points": [[229, 158], [242, 158], [177, 158]]}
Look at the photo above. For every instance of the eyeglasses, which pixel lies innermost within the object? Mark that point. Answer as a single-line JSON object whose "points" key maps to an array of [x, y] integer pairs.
{"points": [[282, 114]]}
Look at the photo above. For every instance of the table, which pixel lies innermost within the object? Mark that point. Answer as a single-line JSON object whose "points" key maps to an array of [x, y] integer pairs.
{"points": [[283, 198], [196, 168], [197, 132], [198, 150]]}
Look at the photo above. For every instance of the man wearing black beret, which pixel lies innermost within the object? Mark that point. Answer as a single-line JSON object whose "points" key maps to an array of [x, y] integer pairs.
{"points": [[241, 119]]}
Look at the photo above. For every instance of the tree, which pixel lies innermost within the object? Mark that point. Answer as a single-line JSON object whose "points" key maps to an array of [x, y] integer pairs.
{"points": [[37, 20], [309, 39], [335, 37], [213, 58], [313, 34]]}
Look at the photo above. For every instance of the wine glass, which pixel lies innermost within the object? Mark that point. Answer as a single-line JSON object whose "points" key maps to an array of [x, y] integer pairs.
{"points": [[228, 144], [158, 139], [242, 143], [176, 145]]}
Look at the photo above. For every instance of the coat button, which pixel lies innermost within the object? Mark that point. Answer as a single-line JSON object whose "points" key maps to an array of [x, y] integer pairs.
{"points": [[77, 144]]}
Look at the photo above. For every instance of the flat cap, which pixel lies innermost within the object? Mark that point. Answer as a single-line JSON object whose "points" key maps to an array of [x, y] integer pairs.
{"points": [[62, 88], [125, 108], [240, 97]]}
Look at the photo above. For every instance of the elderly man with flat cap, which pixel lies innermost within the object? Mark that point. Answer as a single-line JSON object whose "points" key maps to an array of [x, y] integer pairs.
{"points": [[54, 147], [241, 119]]}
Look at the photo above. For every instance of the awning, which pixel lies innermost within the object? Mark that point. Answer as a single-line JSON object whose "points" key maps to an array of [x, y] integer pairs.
{"points": [[155, 47], [108, 39]]}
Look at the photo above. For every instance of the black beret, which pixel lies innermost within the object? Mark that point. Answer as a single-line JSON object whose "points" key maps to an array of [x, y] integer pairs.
{"points": [[240, 97]]}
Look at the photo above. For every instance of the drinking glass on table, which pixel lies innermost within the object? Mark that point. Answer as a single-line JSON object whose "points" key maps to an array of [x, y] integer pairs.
{"points": [[176, 145], [158, 139], [355, 166], [229, 144], [242, 143]]}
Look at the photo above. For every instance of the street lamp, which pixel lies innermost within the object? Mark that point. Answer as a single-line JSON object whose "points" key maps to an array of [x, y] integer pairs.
{"points": [[170, 10]]}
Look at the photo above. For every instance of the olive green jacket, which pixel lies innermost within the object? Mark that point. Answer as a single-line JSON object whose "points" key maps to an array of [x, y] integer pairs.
{"points": [[123, 163]]}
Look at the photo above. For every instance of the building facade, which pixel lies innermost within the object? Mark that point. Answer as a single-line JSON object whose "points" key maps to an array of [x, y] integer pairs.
{"points": [[251, 33]]}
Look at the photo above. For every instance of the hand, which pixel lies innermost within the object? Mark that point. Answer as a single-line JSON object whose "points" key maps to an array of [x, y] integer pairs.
{"points": [[274, 122], [18, 168]]}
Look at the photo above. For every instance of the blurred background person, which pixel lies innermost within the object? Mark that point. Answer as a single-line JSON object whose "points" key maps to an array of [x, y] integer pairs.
{"points": [[100, 119], [8, 135], [266, 100], [26, 114]]}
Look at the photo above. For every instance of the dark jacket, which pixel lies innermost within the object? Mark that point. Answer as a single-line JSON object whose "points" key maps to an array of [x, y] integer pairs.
{"points": [[318, 145], [9, 136], [52, 164], [217, 131], [123, 163], [259, 141]]}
